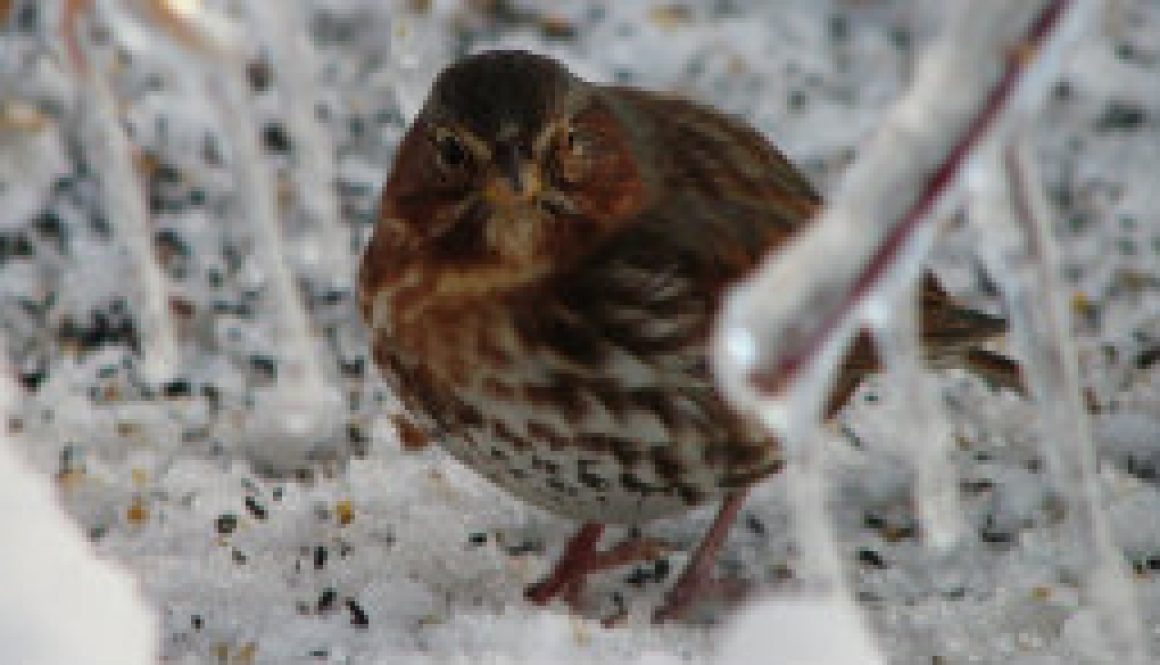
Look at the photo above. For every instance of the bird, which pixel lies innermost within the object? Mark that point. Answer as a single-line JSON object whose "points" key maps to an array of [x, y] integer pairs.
{"points": [[540, 289]]}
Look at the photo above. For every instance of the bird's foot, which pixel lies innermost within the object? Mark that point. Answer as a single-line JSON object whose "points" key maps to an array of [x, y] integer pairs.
{"points": [[580, 558], [697, 579], [688, 592]]}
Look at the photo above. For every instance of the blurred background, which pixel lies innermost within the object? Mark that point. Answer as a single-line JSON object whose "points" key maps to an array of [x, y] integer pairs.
{"points": [[185, 190]]}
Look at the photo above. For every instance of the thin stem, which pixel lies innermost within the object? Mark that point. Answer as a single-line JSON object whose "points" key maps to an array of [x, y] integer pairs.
{"points": [[107, 145], [1054, 381], [283, 28]]}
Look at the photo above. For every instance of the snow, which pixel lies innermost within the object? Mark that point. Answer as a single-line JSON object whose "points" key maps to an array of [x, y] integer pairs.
{"points": [[252, 542], [61, 604]]}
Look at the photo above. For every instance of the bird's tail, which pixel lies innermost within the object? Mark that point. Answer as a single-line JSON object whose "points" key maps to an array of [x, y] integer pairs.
{"points": [[995, 368], [953, 336]]}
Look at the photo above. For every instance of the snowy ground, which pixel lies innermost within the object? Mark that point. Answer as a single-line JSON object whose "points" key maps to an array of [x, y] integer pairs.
{"points": [[356, 551]]}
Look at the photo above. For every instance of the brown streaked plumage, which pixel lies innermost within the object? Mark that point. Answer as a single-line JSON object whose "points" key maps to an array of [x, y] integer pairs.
{"points": [[543, 280]]}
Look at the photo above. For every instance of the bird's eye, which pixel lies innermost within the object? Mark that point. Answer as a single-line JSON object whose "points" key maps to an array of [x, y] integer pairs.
{"points": [[452, 153], [572, 141]]}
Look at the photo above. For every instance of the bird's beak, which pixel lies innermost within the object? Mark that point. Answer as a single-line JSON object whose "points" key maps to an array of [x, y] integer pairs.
{"points": [[515, 179], [508, 160]]}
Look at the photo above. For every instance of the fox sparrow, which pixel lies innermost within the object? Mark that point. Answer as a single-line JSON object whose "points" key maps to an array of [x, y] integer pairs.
{"points": [[542, 282]]}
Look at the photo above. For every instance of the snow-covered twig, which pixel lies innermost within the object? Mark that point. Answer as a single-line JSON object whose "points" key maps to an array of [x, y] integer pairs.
{"points": [[810, 294], [298, 413], [107, 145], [283, 28], [1034, 290]]}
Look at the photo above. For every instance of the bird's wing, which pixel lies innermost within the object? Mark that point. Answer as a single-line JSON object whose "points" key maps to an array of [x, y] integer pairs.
{"points": [[696, 149], [631, 321], [722, 197]]}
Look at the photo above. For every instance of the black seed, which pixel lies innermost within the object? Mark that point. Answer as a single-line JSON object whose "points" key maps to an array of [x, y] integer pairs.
{"points": [[797, 100], [14, 245], [50, 226], [593, 481], [196, 621], [955, 593], [525, 547], [690, 495], [355, 368], [67, 462], [213, 396], [239, 557], [661, 570], [356, 435], [31, 380], [1122, 115], [177, 388], [259, 74], [266, 367], [358, 616], [638, 577], [319, 557], [477, 538], [992, 535], [976, 486], [870, 558], [256, 509], [167, 173], [632, 483], [755, 525], [226, 523], [1148, 357], [275, 138], [326, 600]]}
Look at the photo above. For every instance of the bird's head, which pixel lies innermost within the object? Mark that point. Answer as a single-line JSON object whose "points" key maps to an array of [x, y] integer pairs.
{"points": [[512, 159]]}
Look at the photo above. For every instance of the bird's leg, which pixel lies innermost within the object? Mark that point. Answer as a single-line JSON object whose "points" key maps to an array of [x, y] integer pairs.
{"points": [[580, 557], [698, 575], [570, 568]]}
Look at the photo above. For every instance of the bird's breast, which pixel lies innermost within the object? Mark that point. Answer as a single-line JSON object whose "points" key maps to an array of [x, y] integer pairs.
{"points": [[592, 435]]}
